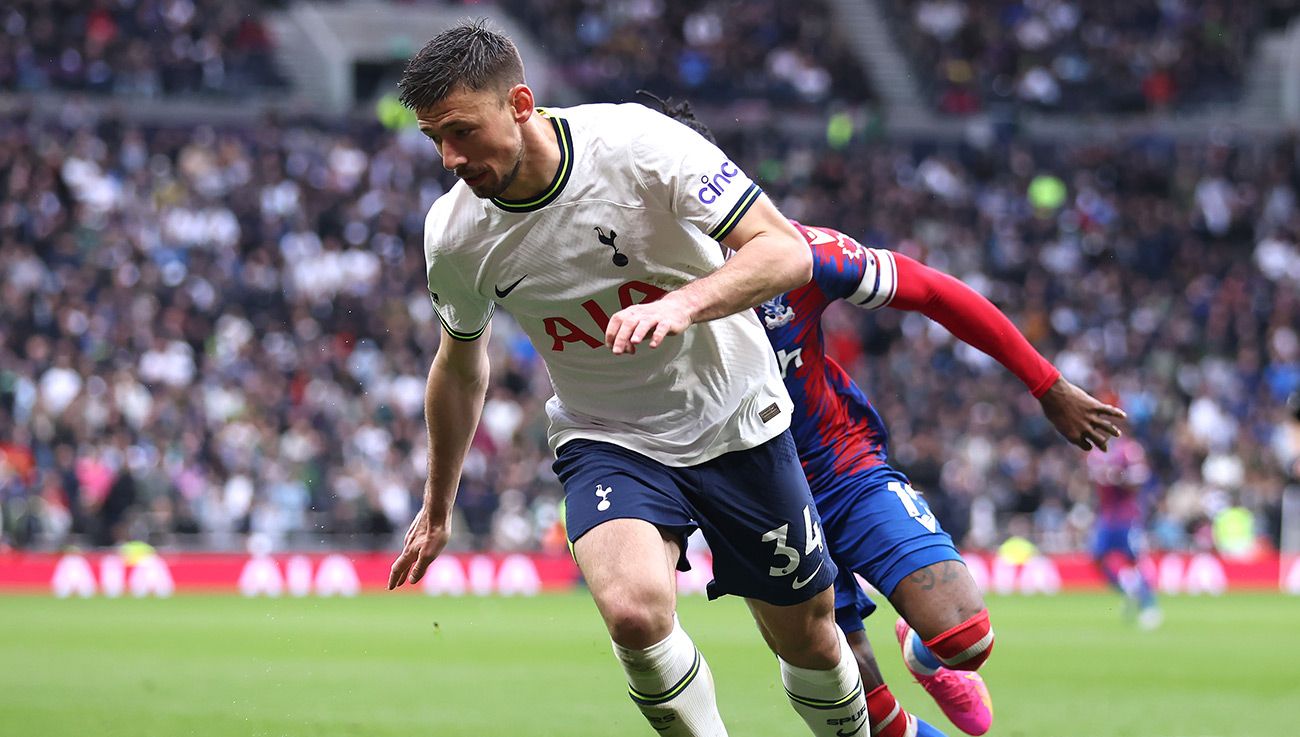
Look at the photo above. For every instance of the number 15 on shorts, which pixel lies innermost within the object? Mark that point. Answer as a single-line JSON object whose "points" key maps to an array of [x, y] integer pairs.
{"points": [[813, 538], [916, 507]]}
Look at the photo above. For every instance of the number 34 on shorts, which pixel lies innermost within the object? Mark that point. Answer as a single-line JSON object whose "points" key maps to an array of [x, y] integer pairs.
{"points": [[792, 556]]}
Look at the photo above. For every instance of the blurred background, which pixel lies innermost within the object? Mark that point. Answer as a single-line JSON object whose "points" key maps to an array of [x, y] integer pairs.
{"points": [[214, 327]]}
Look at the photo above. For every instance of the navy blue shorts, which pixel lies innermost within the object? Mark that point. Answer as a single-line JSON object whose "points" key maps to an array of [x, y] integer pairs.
{"points": [[852, 604], [753, 506], [877, 526]]}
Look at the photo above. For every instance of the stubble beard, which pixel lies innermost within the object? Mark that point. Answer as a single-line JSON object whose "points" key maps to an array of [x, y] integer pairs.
{"points": [[509, 178]]}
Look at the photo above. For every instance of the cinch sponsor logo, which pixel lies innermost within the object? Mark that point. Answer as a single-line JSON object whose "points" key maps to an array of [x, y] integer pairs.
{"points": [[717, 184]]}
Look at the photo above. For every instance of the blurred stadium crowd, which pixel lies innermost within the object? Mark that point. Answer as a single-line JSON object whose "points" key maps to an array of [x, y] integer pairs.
{"points": [[214, 331], [782, 53], [136, 48], [1095, 56]]}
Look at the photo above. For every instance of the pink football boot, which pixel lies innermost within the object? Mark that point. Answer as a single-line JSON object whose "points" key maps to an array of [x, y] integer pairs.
{"points": [[961, 695]]}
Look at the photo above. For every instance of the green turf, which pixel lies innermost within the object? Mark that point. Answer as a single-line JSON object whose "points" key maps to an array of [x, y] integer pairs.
{"points": [[1067, 666]]}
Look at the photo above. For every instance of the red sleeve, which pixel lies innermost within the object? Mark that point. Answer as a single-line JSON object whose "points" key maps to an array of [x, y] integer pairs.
{"points": [[972, 318]]}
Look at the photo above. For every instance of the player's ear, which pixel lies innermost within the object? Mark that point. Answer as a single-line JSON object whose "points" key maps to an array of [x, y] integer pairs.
{"points": [[521, 102]]}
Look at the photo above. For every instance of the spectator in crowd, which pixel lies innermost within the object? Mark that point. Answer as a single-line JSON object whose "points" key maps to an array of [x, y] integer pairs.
{"points": [[1286, 451]]}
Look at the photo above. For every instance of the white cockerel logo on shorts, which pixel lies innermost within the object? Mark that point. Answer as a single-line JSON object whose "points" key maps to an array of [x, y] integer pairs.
{"points": [[603, 492]]}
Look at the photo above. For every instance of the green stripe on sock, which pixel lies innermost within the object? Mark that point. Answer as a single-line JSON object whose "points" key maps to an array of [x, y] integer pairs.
{"points": [[671, 693], [822, 704]]}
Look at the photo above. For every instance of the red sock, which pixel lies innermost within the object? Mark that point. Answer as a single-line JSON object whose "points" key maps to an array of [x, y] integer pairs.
{"points": [[887, 717], [966, 646]]}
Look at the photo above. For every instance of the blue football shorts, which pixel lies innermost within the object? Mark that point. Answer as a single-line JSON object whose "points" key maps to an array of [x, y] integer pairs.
{"points": [[878, 526], [1122, 538]]}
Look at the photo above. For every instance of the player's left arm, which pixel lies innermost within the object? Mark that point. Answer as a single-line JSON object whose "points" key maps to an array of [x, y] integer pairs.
{"points": [[769, 258], [680, 171], [1078, 416]]}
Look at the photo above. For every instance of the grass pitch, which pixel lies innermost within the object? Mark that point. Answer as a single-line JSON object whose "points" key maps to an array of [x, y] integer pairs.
{"points": [[1066, 666]]}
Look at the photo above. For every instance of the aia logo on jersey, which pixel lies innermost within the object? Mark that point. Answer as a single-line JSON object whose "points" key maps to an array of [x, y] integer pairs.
{"points": [[716, 184], [776, 313], [564, 331]]}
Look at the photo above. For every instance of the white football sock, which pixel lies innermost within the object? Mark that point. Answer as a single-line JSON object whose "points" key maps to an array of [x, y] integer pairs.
{"points": [[830, 701], [673, 687]]}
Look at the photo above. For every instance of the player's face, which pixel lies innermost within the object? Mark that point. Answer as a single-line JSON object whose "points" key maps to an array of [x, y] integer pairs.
{"points": [[479, 135]]}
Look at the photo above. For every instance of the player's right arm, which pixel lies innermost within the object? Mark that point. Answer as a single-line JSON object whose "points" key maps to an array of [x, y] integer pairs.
{"points": [[454, 392], [453, 403]]}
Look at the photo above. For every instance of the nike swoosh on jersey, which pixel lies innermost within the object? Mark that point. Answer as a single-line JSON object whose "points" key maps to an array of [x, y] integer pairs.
{"points": [[501, 293], [800, 584]]}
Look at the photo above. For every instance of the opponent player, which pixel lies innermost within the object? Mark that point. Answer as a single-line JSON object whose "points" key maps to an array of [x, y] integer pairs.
{"points": [[875, 523], [1122, 477], [597, 227]]}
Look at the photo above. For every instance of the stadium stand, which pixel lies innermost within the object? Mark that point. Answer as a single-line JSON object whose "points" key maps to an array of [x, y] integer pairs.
{"points": [[222, 331], [149, 48], [212, 330], [1110, 56], [787, 54]]}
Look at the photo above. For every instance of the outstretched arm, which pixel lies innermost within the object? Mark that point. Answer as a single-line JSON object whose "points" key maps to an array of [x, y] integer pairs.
{"points": [[1078, 416], [453, 403]]}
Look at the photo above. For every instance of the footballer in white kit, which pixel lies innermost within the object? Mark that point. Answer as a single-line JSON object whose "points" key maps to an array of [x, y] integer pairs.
{"points": [[653, 439], [635, 210]]}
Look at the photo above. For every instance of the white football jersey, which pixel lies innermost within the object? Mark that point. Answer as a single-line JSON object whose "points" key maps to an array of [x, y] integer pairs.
{"points": [[636, 209]]}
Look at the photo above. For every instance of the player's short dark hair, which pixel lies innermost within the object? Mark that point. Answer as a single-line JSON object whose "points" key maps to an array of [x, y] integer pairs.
{"points": [[681, 112], [470, 55]]}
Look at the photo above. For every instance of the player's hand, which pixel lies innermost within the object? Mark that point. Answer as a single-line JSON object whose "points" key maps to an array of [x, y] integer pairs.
{"points": [[656, 320], [424, 541], [1082, 418]]}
